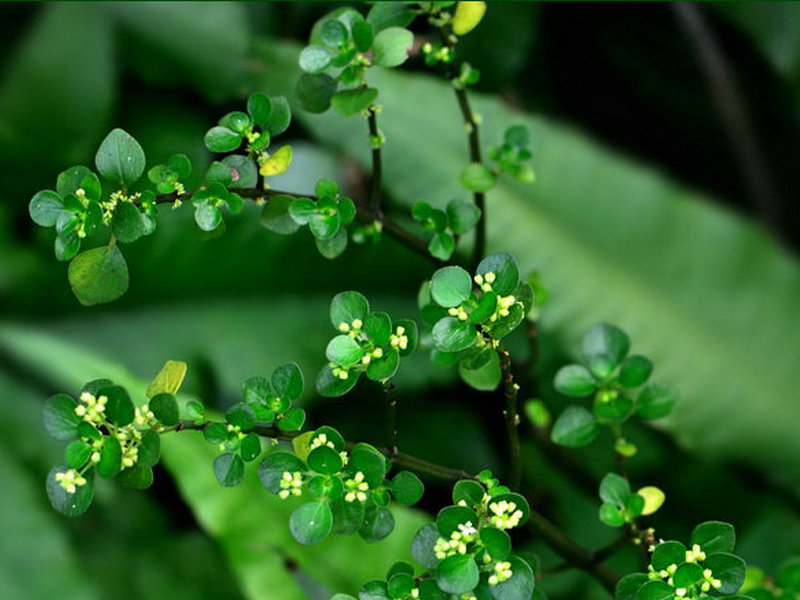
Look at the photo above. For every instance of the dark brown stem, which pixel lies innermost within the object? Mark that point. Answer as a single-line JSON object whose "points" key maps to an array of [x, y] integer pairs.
{"points": [[394, 230], [377, 163], [473, 137], [510, 390], [391, 418], [571, 551]]}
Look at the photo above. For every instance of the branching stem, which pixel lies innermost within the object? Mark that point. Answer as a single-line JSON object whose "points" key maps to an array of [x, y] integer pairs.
{"points": [[568, 549]]}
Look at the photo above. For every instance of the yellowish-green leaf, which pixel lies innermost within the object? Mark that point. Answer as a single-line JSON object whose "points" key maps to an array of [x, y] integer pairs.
{"points": [[278, 163], [653, 499], [467, 17], [168, 380]]}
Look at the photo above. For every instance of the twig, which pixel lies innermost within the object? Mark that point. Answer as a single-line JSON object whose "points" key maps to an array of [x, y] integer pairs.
{"points": [[391, 417], [377, 163], [510, 390], [473, 137], [547, 531]]}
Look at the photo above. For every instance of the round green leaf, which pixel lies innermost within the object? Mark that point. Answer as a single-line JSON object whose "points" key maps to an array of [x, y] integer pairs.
{"points": [[728, 568], [400, 585], [391, 46], [138, 477], [287, 380], [450, 286], [242, 170], [165, 408], [378, 327], [655, 590], [330, 386], [656, 401], [370, 462], [324, 460], [457, 574], [407, 488], [520, 585], [363, 35], [352, 102], [687, 574], [274, 465], [315, 59], [110, 458], [180, 164], [453, 335], [280, 116], [477, 178], [505, 269], [66, 245], [628, 586], [333, 32], [346, 307], [497, 542], [486, 377], [276, 217], [450, 517], [324, 226], [615, 410], [635, 371], [611, 515], [442, 246], [422, 546], [575, 381], [207, 216], [222, 139], [575, 427], [314, 91], [332, 247], [229, 469], [59, 416], [127, 223], [381, 369], [378, 523], [71, 505], [241, 415], [714, 536], [149, 449], [614, 489], [250, 447], [605, 339], [259, 106], [45, 207], [462, 216], [98, 275], [120, 158], [668, 553], [119, 407], [344, 350], [77, 453], [374, 590], [634, 505], [70, 180], [469, 491], [236, 121]]}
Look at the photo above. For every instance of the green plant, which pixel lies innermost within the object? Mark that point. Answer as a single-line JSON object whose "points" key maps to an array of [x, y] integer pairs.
{"points": [[466, 311]]}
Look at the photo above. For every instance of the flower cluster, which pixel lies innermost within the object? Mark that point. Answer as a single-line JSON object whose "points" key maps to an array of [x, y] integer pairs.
{"points": [[291, 484], [505, 514]]}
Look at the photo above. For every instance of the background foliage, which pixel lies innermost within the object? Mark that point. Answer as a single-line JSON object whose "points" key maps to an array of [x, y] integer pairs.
{"points": [[640, 216]]}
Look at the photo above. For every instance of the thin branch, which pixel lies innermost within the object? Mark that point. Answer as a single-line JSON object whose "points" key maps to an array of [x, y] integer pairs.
{"points": [[510, 390], [391, 417], [393, 229], [473, 137], [377, 163], [547, 531]]}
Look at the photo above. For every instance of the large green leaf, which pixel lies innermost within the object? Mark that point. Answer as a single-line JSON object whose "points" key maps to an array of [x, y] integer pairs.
{"points": [[712, 299]]}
